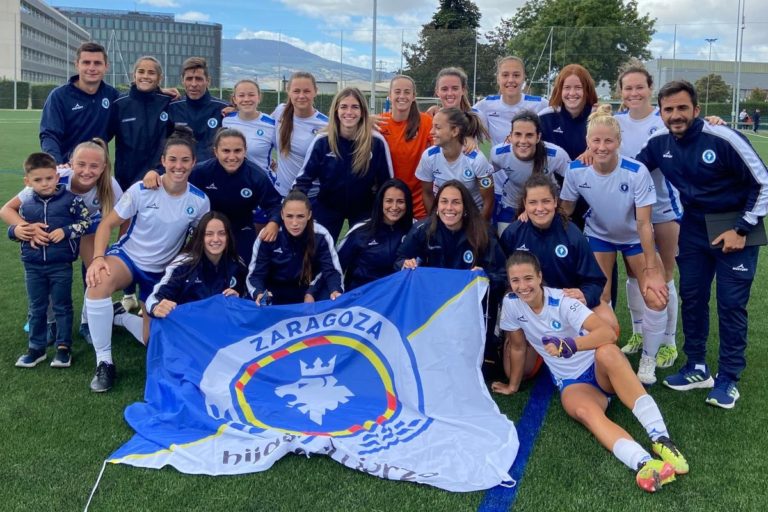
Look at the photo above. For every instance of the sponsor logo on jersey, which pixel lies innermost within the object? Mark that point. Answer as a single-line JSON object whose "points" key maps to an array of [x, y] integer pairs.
{"points": [[128, 120], [373, 243], [740, 268], [105, 103], [153, 206], [653, 130], [557, 130], [561, 251], [212, 186], [77, 107], [246, 192], [433, 247], [584, 185], [163, 116], [331, 154], [624, 187], [278, 250], [667, 154], [708, 156], [522, 248], [522, 318], [468, 257], [493, 114], [213, 122]]}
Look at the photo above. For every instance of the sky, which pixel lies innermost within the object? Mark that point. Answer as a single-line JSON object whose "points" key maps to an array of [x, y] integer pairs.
{"points": [[342, 29]]}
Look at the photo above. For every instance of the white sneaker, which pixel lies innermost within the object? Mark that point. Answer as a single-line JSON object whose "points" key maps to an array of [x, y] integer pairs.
{"points": [[130, 302], [646, 371]]}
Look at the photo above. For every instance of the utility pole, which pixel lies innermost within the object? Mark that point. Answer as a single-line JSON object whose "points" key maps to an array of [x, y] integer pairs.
{"points": [[709, 72]]}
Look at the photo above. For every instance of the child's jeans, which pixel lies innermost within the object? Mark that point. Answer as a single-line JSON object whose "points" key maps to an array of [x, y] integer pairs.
{"points": [[44, 281]]}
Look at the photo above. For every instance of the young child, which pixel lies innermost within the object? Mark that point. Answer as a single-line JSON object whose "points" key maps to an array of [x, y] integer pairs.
{"points": [[54, 220]]}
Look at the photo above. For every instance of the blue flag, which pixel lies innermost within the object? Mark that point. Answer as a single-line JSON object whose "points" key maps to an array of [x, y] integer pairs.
{"points": [[386, 379]]}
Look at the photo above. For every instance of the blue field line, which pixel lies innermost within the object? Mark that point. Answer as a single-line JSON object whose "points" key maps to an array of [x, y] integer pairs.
{"points": [[501, 498]]}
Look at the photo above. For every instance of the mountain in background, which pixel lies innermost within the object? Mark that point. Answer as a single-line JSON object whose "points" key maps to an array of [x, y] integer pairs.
{"points": [[269, 61]]}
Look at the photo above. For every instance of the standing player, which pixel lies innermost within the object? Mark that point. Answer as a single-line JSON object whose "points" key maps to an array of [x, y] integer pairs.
{"points": [[446, 160], [160, 221], [198, 109], [587, 367], [257, 127], [620, 193], [638, 122], [79, 110], [715, 169], [298, 122]]}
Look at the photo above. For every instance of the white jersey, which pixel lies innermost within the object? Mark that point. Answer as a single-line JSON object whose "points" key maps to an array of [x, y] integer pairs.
{"points": [[259, 138], [634, 134], [612, 198], [497, 115], [304, 132], [90, 198], [511, 172], [472, 170], [562, 317], [160, 223]]}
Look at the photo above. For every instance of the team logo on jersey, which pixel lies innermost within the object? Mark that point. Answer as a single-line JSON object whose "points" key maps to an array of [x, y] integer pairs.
{"points": [[468, 173], [485, 182], [259, 132], [624, 187], [105, 102], [561, 251], [653, 130], [708, 156], [213, 122], [468, 257], [556, 325], [232, 282], [163, 116], [246, 192], [96, 201], [314, 131], [190, 210]]}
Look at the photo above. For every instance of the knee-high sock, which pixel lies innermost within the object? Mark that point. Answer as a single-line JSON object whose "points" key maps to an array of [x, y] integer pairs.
{"points": [[648, 414], [636, 305], [84, 312], [133, 323], [654, 323], [630, 453], [100, 323], [671, 330]]}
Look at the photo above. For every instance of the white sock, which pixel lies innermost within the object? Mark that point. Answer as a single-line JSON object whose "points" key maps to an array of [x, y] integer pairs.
{"points": [[654, 323], [630, 453], [100, 323], [133, 323], [84, 313], [636, 305], [671, 330], [648, 414]]}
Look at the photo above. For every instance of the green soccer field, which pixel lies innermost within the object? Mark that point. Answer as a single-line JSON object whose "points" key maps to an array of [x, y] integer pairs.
{"points": [[57, 433]]}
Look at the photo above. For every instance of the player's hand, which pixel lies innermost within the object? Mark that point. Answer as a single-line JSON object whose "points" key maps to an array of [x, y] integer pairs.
{"points": [[97, 266], [230, 292], [410, 264], [335, 295], [586, 157], [470, 144], [163, 308], [172, 92], [379, 123], [575, 293], [732, 241], [152, 180], [715, 120], [56, 236], [559, 347], [656, 285], [228, 110], [308, 298], [269, 232]]}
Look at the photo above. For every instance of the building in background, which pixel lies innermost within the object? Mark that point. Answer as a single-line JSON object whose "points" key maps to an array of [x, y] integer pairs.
{"points": [[37, 42], [753, 74], [128, 35]]}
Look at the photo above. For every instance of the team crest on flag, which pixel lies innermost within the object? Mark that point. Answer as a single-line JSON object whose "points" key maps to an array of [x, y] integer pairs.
{"points": [[232, 387]]}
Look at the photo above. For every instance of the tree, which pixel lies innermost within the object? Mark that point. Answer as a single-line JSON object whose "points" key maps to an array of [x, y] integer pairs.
{"points": [[758, 95], [448, 40], [719, 91], [598, 34]]}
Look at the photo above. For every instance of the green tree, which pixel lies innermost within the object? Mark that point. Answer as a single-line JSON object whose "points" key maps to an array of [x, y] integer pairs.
{"points": [[598, 34], [449, 39], [758, 95], [719, 91]]}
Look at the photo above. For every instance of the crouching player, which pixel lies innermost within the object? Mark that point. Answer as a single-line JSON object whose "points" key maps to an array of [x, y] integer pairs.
{"points": [[580, 351]]}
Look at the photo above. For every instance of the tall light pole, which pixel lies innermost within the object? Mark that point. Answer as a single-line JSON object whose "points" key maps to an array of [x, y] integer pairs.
{"points": [[709, 72]]}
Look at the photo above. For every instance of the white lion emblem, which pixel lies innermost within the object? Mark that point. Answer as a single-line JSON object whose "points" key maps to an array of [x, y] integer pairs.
{"points": [[316, 392]]}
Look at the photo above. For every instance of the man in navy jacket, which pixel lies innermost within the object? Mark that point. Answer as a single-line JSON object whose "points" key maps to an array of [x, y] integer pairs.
{"points": [[716, 170]]}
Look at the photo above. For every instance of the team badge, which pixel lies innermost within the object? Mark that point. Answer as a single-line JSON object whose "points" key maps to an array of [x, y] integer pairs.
{"points": [[468, 257], [259, 132], [708, 156], [468, 173], [485, 182], [624, 187], [561, 251], [105, 102], [652, 130], [314, 131], [190, 210], [556, 325], [246, 192], [232, 282], [163, 116], [213, 122]]}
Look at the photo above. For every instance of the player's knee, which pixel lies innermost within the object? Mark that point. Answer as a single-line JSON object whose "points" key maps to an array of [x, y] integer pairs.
{"points": [[608, 355]]}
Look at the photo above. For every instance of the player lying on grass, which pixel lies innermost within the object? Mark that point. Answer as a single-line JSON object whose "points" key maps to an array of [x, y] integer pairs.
{"points": [[588, 368]]}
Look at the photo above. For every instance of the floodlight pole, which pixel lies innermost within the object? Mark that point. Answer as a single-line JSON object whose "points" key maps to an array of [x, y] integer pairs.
{"points": [[373, 62], [709, 72]]}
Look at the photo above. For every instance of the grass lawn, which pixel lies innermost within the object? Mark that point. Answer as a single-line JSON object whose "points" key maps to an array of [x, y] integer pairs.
{"points": [[57, 433]]}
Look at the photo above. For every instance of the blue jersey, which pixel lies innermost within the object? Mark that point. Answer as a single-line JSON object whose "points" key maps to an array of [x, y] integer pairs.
{"points": [[203, 116], [71, 116], [366, 256], [714, 168], [566, 259], [570, 133]]}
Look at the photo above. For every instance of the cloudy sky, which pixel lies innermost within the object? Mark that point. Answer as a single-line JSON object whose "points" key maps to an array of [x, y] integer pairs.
{"points": [[325, 26]]}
